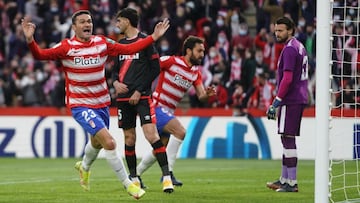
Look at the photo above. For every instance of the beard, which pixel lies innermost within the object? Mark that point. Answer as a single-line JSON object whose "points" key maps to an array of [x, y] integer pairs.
{"points": [[282, 40], [195, 61]]}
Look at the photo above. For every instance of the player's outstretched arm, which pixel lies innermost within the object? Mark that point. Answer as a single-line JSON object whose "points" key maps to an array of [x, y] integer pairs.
{"points": [[28, 28], [160, 29], [204, 93]]}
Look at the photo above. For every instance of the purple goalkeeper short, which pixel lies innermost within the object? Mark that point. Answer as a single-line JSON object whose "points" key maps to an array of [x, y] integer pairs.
{"points": [[289, 119]]}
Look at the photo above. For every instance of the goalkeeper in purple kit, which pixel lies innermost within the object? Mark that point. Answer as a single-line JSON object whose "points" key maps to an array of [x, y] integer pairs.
{"points": [[289, 104]]}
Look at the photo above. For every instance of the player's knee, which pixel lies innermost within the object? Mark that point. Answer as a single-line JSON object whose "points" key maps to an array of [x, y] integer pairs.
{"points": [[180, 133], [109, 144], [130, 141]]}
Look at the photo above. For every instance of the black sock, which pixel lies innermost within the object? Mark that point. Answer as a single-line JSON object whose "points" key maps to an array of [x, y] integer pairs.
{"points": [[130, 157], [160, 154]]}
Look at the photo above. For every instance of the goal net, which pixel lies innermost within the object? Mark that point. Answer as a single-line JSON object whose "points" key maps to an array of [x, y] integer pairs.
{"points": [[344, 114]]}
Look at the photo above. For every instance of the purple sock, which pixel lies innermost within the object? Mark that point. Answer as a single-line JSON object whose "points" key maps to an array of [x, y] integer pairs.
{"points": [[284, 172], [292, 172]]}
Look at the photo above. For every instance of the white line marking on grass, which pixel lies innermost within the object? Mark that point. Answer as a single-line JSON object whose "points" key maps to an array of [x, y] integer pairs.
{"points": [[13, 182], [25, 181]]}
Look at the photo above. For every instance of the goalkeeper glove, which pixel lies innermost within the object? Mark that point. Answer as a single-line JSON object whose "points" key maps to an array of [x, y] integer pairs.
{"points": [[271, 112]]}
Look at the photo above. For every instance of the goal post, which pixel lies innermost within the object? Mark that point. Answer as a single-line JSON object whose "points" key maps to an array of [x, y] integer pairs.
{"points": [[322, 109], [337, 114]]}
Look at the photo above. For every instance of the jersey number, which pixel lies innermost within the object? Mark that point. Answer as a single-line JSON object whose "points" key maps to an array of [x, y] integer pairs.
{"points": [[305, 68], [89, 114], [119, 115]]}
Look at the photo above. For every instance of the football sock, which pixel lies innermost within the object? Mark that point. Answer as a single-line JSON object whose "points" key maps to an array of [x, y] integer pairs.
{"points": [[283, 180], [161, 157], [148, 160], [117, 165], [292, 175], [290, 158], [172, 149], [284, 173], [89, 156], [130, 157], [292, 182]]}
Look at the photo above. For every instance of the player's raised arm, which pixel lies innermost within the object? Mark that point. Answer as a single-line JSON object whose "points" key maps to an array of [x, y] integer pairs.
{"points": [[28, 29], [160, 29]]}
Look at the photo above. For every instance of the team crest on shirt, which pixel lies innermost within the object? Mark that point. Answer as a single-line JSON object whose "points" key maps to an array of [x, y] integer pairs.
{"points": [[92, 123]]}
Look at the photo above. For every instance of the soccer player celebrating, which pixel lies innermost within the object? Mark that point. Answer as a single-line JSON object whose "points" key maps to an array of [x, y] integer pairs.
{"points": [[83, 58], [177, 75], [133, 76], [291, 99]]}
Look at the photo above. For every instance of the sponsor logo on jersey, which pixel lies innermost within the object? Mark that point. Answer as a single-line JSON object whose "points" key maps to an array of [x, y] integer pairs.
{"points": [[180, 81], [129, 57], [82, 61]]}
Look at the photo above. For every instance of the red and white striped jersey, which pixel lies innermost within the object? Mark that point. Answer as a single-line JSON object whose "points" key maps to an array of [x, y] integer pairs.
{"points": [[175, 78], [84, 66]]}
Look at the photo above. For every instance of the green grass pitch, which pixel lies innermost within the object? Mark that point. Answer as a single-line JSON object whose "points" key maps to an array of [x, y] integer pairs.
{"points": [[216, 180]]}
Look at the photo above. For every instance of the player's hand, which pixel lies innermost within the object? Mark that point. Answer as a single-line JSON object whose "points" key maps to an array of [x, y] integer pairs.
{"points": [[210, 91], [271, 113], [160, 29], [120, 88], [28, 28], [134, 99]]}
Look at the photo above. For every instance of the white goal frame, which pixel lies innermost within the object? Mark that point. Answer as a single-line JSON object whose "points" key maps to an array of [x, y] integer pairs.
{"points": [[323, 106]]}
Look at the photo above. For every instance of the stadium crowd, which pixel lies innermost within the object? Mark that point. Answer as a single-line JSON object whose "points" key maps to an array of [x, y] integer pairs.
{"points": [[240, 64]]}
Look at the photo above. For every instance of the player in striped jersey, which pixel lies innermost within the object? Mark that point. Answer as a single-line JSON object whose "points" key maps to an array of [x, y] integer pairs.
{"points": [[83, 58], [177, 75]]}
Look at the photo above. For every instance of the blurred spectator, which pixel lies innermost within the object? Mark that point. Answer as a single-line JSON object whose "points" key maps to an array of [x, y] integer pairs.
{"points": [[308, 10], [235, 66], [262, 17], [164, 47], [261, 67], [189, 28], [17, 44], [2, 94], [31, 10], [271, 49], [219, 25], [347, 98], [248, 75], [235, 20], [291, 8], [238, 96], [32, 94], [215, 62], [243, 38], [264, 93], [222, 45], [58, 94], [274, 9], [220, 99]]}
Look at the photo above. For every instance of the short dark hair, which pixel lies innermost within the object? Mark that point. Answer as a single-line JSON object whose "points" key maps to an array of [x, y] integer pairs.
{"points": [[77, 13], [290, 25], [190, 43], [130, 14]]}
